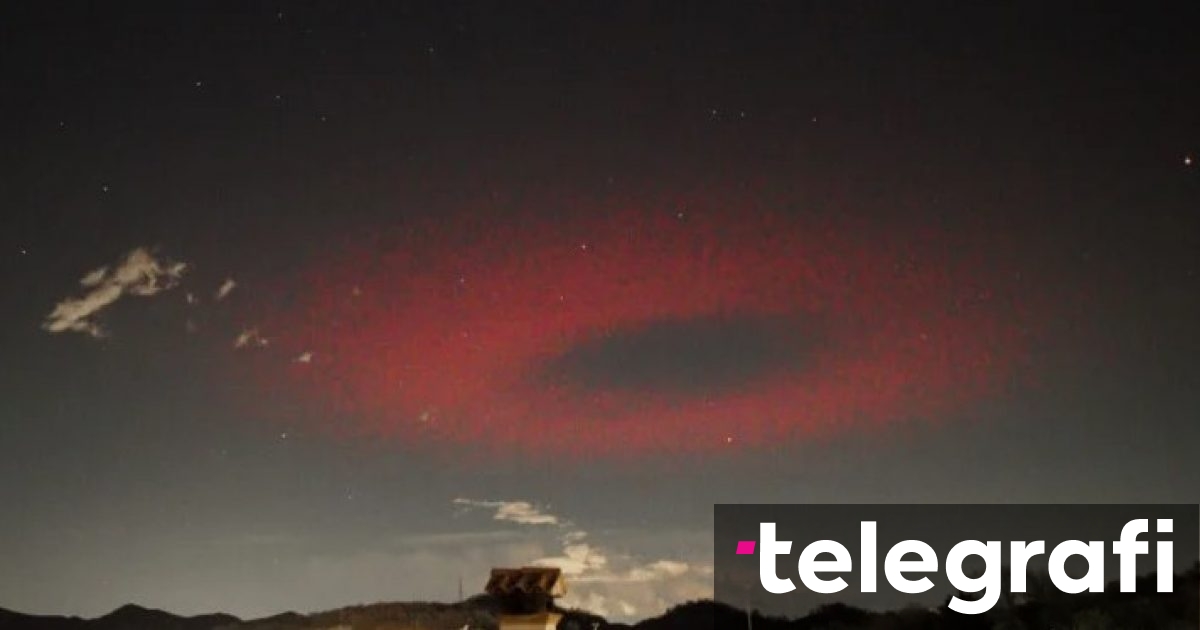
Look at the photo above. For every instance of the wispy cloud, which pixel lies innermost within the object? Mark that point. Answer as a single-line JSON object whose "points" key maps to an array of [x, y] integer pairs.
{"points": [[225, 289], [250, 337], [609, 583], [648, 572], [577, 557], [522, 512], [139, 274]]}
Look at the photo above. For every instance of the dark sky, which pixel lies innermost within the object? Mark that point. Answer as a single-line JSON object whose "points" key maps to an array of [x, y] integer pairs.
{"points": [[619, 261]]}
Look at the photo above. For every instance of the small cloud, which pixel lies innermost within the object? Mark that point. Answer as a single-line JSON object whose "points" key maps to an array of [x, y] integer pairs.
{"points": [[226, 288], [576, 559], [611, 583], [250, 337], [305, 357], [655, 571], [522, 512], [599, 604], [139, 274], [191, 298], [94, 277]]}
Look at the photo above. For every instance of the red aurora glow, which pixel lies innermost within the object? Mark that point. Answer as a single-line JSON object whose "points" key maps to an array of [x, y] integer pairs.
{"points": [[637, 329]]}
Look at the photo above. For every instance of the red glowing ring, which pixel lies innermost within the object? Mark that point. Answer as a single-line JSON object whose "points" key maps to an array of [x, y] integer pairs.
{"points": [[605, 331]]}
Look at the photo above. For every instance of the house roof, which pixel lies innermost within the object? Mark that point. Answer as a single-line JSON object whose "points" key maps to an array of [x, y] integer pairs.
{"points": [[527, 580]]}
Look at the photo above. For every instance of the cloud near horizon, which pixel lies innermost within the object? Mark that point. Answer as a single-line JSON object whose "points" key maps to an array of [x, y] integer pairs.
{"points": [[139, 274], [521, 512], [613, 584]]}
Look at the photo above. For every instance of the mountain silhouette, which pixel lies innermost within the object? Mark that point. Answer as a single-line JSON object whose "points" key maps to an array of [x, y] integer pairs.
{"points": [[1041, 609], [127, 617]]}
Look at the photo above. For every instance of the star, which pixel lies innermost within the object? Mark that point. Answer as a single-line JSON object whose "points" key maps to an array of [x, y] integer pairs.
{"points": [[1187, 160], [104, 188]]}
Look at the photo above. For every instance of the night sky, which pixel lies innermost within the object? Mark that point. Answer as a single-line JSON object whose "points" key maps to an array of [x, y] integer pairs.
{"points": [[312, 305]]}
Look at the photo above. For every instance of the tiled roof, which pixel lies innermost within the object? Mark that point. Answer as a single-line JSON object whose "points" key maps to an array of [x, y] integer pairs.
{"points": [[527, 580]]}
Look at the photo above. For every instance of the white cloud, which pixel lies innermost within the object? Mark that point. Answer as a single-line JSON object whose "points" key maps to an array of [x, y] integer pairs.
{"points": [[604, 606], [250, 337], [576, 560], [139, 274], [522, 512], [305, 357], [94, 277], [226, 288], [648, 572], [620, 585]]}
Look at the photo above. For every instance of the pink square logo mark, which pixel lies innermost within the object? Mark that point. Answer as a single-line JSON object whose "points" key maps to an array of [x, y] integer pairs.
{"points": [[745, 547]]}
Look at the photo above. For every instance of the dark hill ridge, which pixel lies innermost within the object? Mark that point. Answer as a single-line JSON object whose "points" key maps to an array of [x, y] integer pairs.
{"points": [[1043, 609], [479, 613], [127, 617], [132, 617]]}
